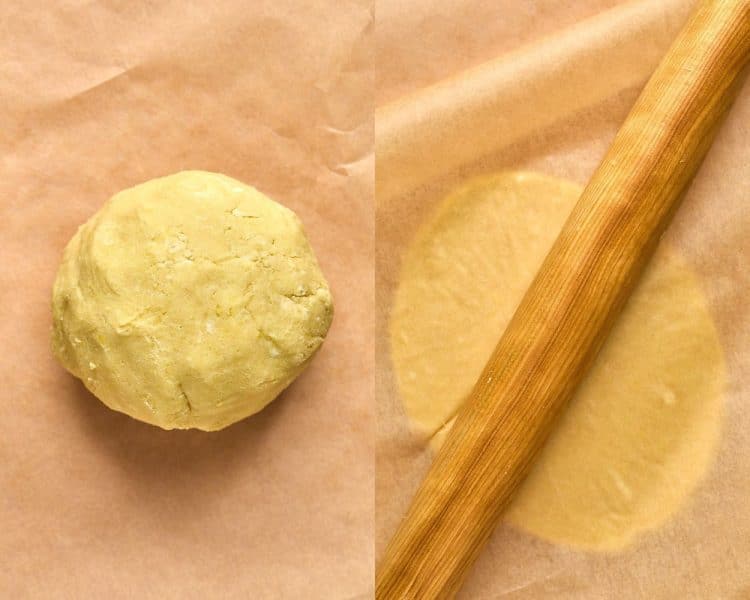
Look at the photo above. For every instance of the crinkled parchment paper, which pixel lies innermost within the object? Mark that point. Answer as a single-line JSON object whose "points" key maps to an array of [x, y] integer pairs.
{"points": [[470, 87], [97, 96]]}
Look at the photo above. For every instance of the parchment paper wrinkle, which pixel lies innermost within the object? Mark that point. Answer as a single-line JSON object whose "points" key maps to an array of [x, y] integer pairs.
{"points": [[495, 104]]}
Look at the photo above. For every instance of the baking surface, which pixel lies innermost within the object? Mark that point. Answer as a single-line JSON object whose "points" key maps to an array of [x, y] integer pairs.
{"points": [[100, 96], [552, 102]]}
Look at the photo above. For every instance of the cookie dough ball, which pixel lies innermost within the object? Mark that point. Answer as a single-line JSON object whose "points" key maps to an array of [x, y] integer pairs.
{"points": [[189, 301]]}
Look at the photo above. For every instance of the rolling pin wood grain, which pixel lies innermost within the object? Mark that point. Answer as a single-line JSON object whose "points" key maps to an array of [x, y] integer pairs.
{"points": [[570, 307]]}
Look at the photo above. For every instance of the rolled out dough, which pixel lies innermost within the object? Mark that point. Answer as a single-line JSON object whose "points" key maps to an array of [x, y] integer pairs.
{"points": [[641, 429], [189, 301]]}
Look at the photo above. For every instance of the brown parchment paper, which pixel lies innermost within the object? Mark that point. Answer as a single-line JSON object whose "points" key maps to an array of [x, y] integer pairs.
{"points": [[99, 95], [551, 98]]}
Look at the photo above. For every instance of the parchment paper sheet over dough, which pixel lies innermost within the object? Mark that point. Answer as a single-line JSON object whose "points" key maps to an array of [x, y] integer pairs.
{"points": [[189, 301], [642, 428]]}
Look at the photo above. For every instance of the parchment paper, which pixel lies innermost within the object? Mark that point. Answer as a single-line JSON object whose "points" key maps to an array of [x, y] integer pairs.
{"points": [[97, 96], [547, 91]]}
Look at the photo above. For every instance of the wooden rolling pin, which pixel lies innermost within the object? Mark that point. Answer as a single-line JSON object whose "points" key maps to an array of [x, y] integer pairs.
{"points": [[567, 312]]}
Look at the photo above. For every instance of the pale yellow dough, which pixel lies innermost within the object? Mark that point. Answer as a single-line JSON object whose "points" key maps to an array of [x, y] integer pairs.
{"points": [[189, 301], [643, 427]]}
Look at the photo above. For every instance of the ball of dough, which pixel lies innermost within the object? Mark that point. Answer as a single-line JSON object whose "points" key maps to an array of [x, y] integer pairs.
{"points": [[189, 301]]}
